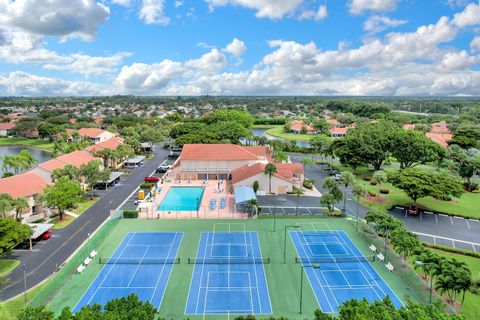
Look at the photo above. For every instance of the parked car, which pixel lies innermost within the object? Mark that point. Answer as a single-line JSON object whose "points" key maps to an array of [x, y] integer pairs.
{"points": [[163, 168], [413, 210], [333, 172], [151, 179], [46, 235], [337, 177]]}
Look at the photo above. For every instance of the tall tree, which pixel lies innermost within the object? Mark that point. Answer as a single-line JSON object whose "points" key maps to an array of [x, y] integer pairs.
{"points": [[12, 232], [420, 183], [298, 192], [346, 178], [94, 173], [359, 191], [62, 195], [412, 148], [270, 170], [378, 178], [6, 204], [19, 205]]}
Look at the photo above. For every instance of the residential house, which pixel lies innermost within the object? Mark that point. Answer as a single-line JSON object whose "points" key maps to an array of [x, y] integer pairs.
{"points": [[338, 132], [111, 144], [29, 186], [244, 164], [95, 135], [6, 128], [299, 127]]}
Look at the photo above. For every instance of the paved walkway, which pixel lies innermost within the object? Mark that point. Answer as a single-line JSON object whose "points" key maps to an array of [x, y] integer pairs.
{"points": [[48, 255]]}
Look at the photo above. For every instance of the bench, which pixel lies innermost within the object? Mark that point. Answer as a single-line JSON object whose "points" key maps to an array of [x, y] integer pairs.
{"points": [[93, 254], [87, 261], [80, 268], [380, 257], [372, 248], [389, 267]]}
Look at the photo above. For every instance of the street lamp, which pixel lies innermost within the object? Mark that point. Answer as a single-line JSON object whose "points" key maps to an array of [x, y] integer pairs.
{"points": [[302, 267], [285, 242], [421, 263], [24, 283]]}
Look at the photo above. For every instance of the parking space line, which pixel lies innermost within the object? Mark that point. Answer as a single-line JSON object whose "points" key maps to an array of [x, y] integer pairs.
{"points": [[451, 220], [468, 223], [453, 242], [474, 249], [436, 218]]}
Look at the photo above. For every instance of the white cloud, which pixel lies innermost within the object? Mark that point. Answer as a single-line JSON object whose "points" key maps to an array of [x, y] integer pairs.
{"points": [[236, 47], [178, 3], [319, 14], [152, 12], [125, 3], [208, 63], [64, 19], [376, 24], [90, 65], [357, 7], [468, 17], [475, 44], [272, 9]]}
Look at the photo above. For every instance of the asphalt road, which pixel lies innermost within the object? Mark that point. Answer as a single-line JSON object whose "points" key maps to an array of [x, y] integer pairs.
{"points": [[433, 228], [48, 255]]}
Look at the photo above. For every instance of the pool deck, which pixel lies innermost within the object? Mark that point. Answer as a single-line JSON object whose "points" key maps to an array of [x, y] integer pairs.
{"points": [[204, 211]]}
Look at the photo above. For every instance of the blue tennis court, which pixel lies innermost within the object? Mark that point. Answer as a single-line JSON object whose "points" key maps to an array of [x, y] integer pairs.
{"points": [[229, 276], [343, 273], [141, 264]]}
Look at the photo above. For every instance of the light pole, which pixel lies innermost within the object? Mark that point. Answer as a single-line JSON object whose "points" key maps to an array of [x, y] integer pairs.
{"points": [[385, 229], [421, 263], [302, 267], [285, 242], [274, 215], [24, 283]]}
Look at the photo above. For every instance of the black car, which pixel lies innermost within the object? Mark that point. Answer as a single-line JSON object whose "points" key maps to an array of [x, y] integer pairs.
{"points": [[333, 172]]}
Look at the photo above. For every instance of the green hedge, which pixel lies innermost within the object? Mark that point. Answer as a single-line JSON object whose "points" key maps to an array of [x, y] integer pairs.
{"points": [[452, 250], [130, 214], [146, 185]]}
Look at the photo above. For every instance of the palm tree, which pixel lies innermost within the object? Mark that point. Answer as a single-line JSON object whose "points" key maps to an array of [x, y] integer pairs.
{"points": [[359, 191], [307, 162], [379, 177], [252, 204], [280, 157], [347, 178], [11, 162], [5, 204], [20, 205], [26, 159], [329, 183], [270, 169], [298, 192]]}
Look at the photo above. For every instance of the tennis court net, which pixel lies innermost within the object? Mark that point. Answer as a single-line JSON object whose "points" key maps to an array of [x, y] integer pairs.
{"points": [[252, 260], [334, 259], [114, 260]]}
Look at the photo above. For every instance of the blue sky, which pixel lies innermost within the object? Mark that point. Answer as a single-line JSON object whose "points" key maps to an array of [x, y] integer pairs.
{"points": [[239, 47]]}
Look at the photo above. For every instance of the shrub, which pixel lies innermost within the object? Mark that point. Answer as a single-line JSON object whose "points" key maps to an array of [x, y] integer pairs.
{"points": [[146, 185], [130, 214], [308, 184], [384, 191], [367, 178], [373, 183], [372, 194]]}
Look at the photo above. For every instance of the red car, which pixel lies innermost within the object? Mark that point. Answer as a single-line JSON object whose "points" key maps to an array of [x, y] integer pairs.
{"points": [[151, 179], [412, 210], [46, 235]]}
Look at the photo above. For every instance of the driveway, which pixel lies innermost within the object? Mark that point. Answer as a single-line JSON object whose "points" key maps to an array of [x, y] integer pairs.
{"points": [[48, 255], [434, 228]]}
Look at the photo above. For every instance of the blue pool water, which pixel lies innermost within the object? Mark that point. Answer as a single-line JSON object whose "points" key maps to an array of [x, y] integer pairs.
{"points": [[182, 199]]}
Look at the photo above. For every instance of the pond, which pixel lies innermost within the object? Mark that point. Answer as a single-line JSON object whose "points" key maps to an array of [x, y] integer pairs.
{"points": [[40, 155], [258, 132]]}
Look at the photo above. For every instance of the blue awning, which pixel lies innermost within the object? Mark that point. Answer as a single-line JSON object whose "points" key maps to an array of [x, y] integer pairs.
{"points": [[243, 194]]}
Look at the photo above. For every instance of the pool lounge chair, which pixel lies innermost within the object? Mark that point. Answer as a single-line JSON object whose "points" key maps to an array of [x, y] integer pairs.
{"points": [[213, 204], [223, 203]]}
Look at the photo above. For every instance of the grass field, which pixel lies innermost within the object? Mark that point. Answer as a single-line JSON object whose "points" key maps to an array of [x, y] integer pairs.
{"points": [[34, 143], [7, 265], [283, 279], [84, 204], [9, 310], [277, 131], [467, 205]]}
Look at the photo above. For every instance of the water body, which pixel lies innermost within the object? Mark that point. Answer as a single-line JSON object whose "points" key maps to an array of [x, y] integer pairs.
{"points": [[40, 155], [258, 132]]}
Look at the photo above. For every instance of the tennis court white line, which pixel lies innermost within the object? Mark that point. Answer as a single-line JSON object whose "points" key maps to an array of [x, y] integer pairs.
{"points": [[128, 287], [193, 273], [138, 266], [163, 269], [228, 289], [106, 276], [251, 294], [203, 267], [256, 276], [206, 295]]}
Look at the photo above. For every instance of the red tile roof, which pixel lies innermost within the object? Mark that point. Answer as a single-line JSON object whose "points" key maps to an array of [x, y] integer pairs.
{"points": [[297, 125], [7, 125], [227, 152], [440, 138], [76, 158], [111, 144], [90, 132], [22, 185], [334, 122], [440, 127], [337, 130], [285, 171], [409, 126]]}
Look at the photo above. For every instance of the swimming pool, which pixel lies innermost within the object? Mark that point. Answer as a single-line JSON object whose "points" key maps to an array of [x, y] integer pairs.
{"points": [[182, 199]]}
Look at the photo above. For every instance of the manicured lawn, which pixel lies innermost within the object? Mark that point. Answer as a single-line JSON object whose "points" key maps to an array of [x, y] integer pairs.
{"points": [[467, 205], [277, 131], [34, 143], [9, 310], [7, 265], [84, 205], [471, 308], [59, 224]]}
